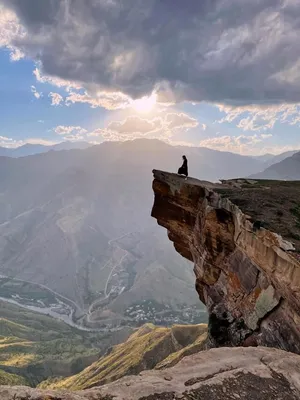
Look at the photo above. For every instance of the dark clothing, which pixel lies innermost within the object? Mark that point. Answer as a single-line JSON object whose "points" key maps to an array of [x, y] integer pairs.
{"points": [[183, 170]]}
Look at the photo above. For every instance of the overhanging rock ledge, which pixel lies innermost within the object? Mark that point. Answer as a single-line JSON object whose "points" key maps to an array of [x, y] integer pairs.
{"points": [[248, 277]]}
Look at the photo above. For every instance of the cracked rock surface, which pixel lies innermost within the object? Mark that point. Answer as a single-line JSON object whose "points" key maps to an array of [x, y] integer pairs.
{"points": [[248, 276], [224, 373]]}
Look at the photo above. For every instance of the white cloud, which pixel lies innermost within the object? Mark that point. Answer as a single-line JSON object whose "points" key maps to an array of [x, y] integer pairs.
{"points": [[72, 133], [180, 121], [133, 127], [55, 81], [135, 124], [56, 98], [42, 141], [9, 142], [95, 98], [36, 94], [242, 144], [260, 118], [110, 101], [10, 29], [66, 130], [13, 143]]}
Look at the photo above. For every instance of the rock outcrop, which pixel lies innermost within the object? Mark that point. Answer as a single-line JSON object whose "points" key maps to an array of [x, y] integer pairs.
{"points": [[225, 373], [248, 276]]}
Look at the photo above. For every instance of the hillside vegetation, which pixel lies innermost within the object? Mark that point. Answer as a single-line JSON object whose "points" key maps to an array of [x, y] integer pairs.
{"points": [[34, 347], [12, 379], [144, 349]]}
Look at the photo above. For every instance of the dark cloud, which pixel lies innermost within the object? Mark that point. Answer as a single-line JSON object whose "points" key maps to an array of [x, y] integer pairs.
{"points": [[224, 51]]}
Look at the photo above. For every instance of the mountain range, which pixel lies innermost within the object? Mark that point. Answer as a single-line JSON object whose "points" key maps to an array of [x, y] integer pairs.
{"points": [[31, 149], [286, 169], [77, 240], [28, 149]]}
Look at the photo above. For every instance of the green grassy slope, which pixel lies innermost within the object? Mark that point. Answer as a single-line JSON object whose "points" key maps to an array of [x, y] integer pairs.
{"points": [[144, 349], [37, 347], [12, 380]]}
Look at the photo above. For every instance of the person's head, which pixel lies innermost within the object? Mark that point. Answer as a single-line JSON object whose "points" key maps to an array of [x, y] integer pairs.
{"points": [[184, 157]]}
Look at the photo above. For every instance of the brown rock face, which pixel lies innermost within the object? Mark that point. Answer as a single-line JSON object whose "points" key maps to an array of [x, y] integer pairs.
{"points": [[248, 278]]}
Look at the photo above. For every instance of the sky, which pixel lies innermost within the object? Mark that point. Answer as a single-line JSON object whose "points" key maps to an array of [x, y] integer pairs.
{"points": [[207, 73]]}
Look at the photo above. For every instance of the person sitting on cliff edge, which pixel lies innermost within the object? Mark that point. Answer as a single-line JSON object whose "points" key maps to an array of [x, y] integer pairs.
{"points": [[183, 170]]}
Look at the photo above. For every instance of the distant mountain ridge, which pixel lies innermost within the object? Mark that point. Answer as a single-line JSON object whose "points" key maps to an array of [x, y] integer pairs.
{"points": [[287, 169], [29, 149], [32, 149]]}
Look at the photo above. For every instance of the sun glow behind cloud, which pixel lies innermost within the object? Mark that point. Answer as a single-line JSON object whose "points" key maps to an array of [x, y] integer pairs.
{"points": [[145, 104]]}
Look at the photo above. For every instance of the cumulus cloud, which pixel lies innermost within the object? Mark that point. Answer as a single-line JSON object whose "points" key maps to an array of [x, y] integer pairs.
{"points": [[55, 80], [133, 127], [72, 133], [110, 101], [10, 29], [9, 142], [180, 120], [242, 144], [135, 124], [259, 118], [42, 141], [13, 143], [216, 51], [56, 98], [36, 94]]}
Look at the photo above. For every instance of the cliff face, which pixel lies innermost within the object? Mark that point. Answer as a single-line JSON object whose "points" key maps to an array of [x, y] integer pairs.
{"points": [[248, 276]]}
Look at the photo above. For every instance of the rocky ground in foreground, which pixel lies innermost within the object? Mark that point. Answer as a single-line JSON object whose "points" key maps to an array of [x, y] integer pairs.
{"points": [[227, 374]]}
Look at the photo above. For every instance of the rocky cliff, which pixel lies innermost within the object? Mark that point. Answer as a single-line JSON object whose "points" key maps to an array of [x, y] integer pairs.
{"points": [[247, 275]]}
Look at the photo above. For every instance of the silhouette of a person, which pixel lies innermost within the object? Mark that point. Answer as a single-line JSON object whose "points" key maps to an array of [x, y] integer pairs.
{"points": [[183, 170]]}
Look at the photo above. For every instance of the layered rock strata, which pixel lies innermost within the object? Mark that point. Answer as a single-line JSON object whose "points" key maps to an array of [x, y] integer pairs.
{"points": [[248, 276]]}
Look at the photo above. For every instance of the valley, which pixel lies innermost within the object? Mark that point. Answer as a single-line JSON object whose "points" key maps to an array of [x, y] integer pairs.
{"points": [[82, 248], [35, 346], [83, 266]]}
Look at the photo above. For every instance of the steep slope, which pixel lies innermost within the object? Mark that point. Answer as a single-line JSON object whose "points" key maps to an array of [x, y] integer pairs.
{"points": [[34, 347], [12, 379], [227, 374], [83, 229], [248, 276], [270, 159], [78, 223], [143, 350], [288, 169], [280, 157]]}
